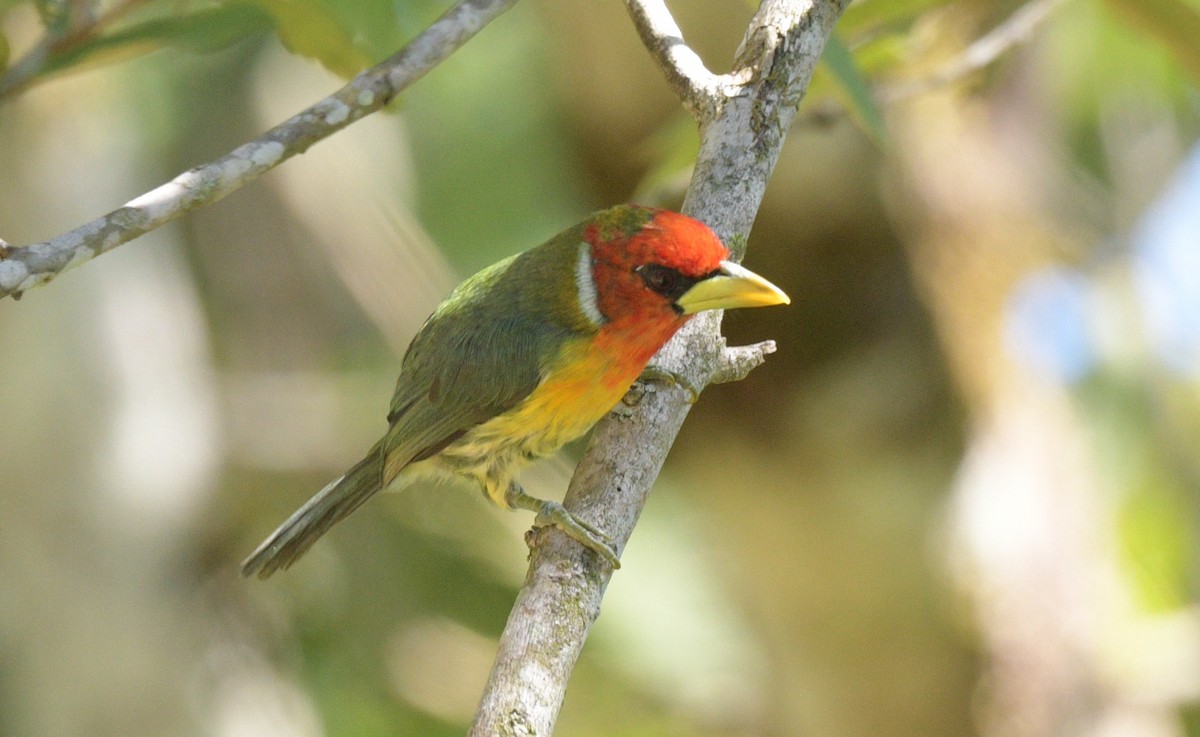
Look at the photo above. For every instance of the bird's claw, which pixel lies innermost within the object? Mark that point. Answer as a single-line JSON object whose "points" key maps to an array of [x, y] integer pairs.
{"points": [[632, 398], [553, 513], [588, 535], [658, 375]]}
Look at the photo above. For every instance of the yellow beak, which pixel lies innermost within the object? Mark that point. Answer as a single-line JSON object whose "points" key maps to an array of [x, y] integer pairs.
{"points": [[733, 286]]}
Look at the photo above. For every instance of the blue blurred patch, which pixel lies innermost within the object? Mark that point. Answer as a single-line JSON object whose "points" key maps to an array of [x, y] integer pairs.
{"points": [[1166, 270], [1046, 324]]}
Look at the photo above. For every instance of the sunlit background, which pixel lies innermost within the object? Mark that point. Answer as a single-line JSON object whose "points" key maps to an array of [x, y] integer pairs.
{"points": [[962, 499]]}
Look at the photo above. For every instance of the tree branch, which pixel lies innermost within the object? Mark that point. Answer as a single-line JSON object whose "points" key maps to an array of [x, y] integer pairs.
{"points": [[695, 86], [989, 48], [742, 133], [737, 363], [22, 268], [1017, 29]]}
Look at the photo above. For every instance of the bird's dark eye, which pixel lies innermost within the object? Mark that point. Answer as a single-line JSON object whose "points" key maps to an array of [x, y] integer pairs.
{"points": [[665, 281]]}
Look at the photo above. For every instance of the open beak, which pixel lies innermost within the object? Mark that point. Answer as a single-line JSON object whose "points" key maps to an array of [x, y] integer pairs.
{"points": [[732, 286]]}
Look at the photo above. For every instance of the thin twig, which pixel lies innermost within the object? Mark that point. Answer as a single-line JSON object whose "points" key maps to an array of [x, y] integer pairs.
{"points": [[23, 72], [739, 361], [1017, 29], [29, 266]]}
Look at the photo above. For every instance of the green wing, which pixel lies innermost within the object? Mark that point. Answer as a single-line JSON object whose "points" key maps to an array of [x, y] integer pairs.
{"points": [[483, 351]]}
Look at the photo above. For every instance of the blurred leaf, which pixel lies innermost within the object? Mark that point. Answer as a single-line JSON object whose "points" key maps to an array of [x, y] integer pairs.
{"points": [[1099, 61], [381, 26], [309, 29], [884, 12], [882, 54], [673, 149], [1173, 23], [4, 51], [1189, 714], [206, 30], [52, 12], [1155, 541], [853, 88]]}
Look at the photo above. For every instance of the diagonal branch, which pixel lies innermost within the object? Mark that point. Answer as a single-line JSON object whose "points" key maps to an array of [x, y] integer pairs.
{"points": [[23, 268], [1017, 29], [742, 133], [695, 86]]}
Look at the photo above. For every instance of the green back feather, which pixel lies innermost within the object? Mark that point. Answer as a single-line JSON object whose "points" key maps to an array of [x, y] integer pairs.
{"points": [[485, 348]]}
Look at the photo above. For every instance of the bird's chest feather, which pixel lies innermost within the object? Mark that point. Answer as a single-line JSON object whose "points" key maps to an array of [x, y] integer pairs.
{"points": [[584, 383]]}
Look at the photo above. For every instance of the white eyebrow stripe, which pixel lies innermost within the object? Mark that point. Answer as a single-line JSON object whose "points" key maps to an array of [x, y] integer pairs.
{"points": [[585, 283]]}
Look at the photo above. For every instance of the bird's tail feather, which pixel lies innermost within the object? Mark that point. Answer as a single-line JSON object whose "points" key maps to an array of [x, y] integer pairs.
{"points": [[329, 506]]}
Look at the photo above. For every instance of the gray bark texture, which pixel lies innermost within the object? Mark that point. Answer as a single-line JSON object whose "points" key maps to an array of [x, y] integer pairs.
{"points": [[743, 118]]}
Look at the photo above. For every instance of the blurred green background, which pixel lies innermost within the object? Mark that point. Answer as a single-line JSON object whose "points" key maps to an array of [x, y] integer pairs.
{"points": [[963, 498]]}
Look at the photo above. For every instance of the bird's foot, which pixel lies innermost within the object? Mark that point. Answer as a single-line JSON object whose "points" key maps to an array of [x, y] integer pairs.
{"points": [[553, 513], [658, 375]]}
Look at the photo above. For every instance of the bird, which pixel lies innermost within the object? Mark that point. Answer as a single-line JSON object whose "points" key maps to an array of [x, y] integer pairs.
{"points": [[527, 355]]}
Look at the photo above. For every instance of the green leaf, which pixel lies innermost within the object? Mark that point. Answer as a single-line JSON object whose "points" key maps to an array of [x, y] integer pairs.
{"points": [[1173, 23], [672, 148], [1154, 538], [204, 31], [872, 13], [4, 52], [852, 87], [54, 14], [307, 28]]}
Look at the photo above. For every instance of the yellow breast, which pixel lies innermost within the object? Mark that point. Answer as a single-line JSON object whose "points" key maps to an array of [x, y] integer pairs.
{"points": [[562, 408]]}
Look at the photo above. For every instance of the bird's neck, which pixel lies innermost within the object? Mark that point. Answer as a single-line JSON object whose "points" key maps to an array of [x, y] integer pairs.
{"points": [[631, 343]]}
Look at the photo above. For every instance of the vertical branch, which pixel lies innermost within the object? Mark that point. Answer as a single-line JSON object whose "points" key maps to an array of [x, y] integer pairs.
{"points": [[743, 118]]}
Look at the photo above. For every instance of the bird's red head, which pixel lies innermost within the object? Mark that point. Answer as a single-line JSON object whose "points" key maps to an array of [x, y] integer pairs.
{"points": [[644, 259], [651, 270]]}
